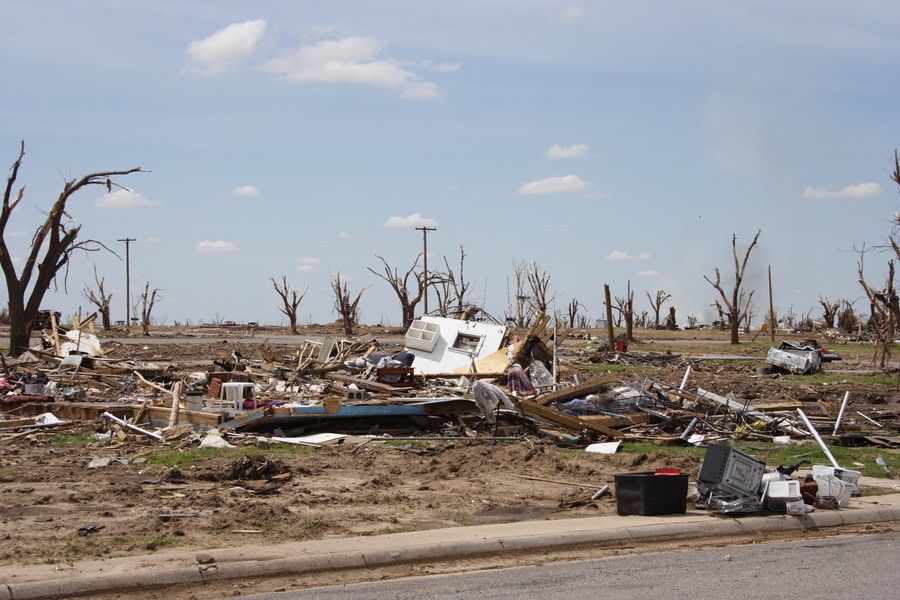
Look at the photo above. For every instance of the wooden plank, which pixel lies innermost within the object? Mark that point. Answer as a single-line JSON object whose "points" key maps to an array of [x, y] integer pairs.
{"points": [[582, 389], [635, 419], [533, 409], [161, 413], [365, 384]]}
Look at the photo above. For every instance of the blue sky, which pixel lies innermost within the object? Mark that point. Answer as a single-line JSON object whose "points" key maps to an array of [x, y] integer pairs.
{"points": [[609, 142]]}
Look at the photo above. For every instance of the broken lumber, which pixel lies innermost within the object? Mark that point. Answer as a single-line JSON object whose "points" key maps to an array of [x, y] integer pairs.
{"points": [[533, 409], [582, 389]]}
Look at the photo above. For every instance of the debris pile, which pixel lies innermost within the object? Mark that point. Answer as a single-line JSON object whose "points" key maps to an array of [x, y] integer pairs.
{"points": [[451, 378]]}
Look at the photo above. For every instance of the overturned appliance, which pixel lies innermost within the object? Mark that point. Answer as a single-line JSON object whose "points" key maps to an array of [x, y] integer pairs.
{"points": [[799, 360], [443, 345]]}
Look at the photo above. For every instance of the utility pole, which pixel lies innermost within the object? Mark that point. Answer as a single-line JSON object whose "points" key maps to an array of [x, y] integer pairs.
{"points": [[127, 281], [425, 231]]}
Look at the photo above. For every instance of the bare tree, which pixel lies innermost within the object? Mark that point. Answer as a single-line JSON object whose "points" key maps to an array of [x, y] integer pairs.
{"points": [[100, 299], [749, 314], [625, 307], [539, 284], [148, 300], [519, 272], [56, 238], [772, 319], [671, 322], [807, 323], [642, 319], [572, 312], [408, 296], [452, 287], [789, 318], [290, 301], [692, 321], [723, 321], [884, 303], [735, 310], [656, 304], [847, 321], [348, 309], [885, 311], [830, 310]]}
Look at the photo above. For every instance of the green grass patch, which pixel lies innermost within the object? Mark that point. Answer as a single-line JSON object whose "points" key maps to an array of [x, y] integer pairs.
{"points": [[190, 456], [313, 524], [832, 378], [80, 440]]}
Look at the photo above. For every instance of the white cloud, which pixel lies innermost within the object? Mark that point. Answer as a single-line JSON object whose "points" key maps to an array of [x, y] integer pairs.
{"points": [[556, 152], [307, 265], [350, 60], [123, 199], [223, 50], [619, 255], [246, 191], [149, 240], [344, 235], [216, 246], [860, 190], [648, 273], [414, 220], [555, 185], [16, 234]]}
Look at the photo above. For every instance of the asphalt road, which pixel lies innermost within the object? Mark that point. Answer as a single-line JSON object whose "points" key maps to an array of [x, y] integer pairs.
{"points": [[834, 567]]}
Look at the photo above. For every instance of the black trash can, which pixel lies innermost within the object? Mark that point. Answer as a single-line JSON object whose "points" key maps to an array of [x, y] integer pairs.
{"points": [[651, 494]]}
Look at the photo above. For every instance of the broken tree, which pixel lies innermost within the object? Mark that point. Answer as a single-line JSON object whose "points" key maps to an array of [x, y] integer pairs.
{"points": [[53, 243]]}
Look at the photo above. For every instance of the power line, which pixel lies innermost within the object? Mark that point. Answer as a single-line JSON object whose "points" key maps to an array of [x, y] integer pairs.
{"points": [[127, 280], [425, 231]]}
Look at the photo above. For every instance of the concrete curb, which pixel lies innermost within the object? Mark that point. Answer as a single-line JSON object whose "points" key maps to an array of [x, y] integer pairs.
{"points": [[414, 547]]}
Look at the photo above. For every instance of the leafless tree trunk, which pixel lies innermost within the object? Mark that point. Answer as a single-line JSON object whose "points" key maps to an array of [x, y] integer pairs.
{"points": [[56, 238], [789, 317], [721, 311], [539, 283], [734, 308], [100, 299], [772, 319], [656, 305], [290, 301], [347, 308], [625, 307], [572, 310], [885, 311], [692, 321], [409, 297], [453, 289], [749, 313], [671, 323], [884, 304], [148, 300], [847, 321], [830, 311], [642, 319], [519, 272]]}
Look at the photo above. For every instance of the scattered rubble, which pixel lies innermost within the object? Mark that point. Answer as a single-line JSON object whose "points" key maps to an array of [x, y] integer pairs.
{"points": [[342, 398]]}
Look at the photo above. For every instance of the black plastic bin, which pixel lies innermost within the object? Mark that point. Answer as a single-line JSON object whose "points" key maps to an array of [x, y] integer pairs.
{"points": [[651, 494]]}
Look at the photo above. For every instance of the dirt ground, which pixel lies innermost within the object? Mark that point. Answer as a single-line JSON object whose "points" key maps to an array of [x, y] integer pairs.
{"points": [[57, 505]]}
